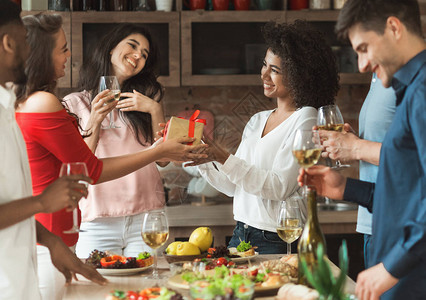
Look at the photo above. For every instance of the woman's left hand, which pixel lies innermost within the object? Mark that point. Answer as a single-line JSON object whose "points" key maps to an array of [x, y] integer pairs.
{"points": [[137, 102]]}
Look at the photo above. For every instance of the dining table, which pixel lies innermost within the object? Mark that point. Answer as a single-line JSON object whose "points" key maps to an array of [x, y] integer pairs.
{"points": [[87, 290]]}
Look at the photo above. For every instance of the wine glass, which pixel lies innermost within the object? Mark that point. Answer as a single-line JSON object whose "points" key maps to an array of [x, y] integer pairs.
{"points": [[111, 83], [330, 118], [74, 168], [155, 232], [306, 148], [290, 222]]}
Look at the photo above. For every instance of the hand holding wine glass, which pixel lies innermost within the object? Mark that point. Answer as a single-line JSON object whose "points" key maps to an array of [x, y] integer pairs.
{"points": [[110, 83], [330, 118], [74, 168], [155, 232], [290, 222]]}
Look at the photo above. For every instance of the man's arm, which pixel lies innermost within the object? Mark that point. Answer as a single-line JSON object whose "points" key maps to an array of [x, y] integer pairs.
{"points": [[346, 146], [63, 259], [64, 192], [332, 184]]}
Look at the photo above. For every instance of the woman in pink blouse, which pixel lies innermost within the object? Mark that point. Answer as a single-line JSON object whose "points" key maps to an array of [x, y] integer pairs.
{"points": [[112, 214]]}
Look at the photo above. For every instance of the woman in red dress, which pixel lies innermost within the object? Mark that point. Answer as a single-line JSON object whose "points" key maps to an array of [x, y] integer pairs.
{"points": [[52, 136]]}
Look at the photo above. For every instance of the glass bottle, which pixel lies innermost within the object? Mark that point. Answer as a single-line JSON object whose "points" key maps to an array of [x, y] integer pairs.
{"points": [[311, 236]]}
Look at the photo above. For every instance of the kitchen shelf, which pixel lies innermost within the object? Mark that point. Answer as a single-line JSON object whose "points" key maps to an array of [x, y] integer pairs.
{"points": [[181, 38]]}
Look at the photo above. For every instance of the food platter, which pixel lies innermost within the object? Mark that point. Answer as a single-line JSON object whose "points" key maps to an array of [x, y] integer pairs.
{"points": [[243, 258], [122, 272], [176, 281]]}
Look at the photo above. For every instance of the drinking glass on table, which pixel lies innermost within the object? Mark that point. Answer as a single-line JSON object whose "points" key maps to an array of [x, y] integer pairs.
{"points": [[74, 168], [110, 83], [330, 118], [155, 232], [290, 222]]}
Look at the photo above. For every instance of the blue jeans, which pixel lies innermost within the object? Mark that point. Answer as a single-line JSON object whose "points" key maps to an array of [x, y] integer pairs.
{"points": [[367, 246], [267, 242]]}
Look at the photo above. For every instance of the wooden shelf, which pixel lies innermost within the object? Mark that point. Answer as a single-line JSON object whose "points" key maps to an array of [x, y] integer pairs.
{"points": [[180, 47]]}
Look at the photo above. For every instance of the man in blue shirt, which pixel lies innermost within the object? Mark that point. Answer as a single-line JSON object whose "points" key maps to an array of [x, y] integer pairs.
{"points": [[374, 120], [386, 34]]}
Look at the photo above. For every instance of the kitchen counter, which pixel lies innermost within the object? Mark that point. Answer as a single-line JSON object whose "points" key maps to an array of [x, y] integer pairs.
{"points": [[183, 219]]}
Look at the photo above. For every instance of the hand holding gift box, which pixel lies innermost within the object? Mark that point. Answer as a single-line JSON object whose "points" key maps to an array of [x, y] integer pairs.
{"points": [[179, 127]]}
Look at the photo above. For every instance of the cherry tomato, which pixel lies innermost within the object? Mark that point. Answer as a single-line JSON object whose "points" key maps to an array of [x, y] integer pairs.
{"points": [[230, 264], [221, 261], [253, 272], [132, 295]]}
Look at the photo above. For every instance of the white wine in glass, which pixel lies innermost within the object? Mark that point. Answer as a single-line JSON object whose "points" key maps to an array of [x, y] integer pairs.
{"points": [[111, 83], [330, 118], [74, 168], [306, 147], [155, 232], [290, 222]]}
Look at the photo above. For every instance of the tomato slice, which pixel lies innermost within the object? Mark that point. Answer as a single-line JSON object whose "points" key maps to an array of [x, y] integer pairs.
{"points": [[110, 260], [151, 293]]}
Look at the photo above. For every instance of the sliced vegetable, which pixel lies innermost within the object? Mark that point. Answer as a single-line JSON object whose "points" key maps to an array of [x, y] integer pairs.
{"points": [[112, 260]]}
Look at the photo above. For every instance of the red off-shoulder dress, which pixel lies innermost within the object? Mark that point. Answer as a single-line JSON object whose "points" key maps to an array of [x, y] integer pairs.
{"points": [[51, 139]]}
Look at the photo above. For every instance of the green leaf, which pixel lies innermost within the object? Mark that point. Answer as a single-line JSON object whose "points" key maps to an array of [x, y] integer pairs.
{"points": [[343, 264], [243, 246], [324, 270], [313, 280]]}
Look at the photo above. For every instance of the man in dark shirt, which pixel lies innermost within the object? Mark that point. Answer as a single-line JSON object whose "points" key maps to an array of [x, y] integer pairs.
{"points": [[387, 36]]}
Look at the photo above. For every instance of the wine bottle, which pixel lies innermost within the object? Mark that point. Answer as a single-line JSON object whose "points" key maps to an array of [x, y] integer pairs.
{"points": [[311, 236]]}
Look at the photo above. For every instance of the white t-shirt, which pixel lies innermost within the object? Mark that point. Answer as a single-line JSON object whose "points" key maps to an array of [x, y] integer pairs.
{"points": [[263, 172], [18, 274]]}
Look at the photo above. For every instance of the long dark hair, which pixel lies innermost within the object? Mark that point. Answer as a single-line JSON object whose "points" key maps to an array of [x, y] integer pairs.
{"points": [[145, 82], [308, 63], [39, 69]]}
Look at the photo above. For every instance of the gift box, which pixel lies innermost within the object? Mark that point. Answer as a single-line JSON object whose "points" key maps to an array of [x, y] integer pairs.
{"points": [[180, 127]]}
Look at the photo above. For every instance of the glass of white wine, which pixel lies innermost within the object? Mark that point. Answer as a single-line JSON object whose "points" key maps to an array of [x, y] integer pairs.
{"points": [[110, 83], [330, 118], [155, 232], [290, 223], [74, 168], [307, 147]]}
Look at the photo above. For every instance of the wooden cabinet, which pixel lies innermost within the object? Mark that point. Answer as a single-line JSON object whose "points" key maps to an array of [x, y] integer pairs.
{"points": [[225, 47], [197, 48], [88, 27]]}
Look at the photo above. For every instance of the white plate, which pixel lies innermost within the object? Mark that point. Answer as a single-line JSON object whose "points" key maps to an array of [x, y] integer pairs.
{"points": [[122, 272], [245, 258]]}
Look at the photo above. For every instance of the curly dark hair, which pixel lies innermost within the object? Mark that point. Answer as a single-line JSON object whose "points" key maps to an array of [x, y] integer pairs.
{"points": [[145, 82], [308, 64]]}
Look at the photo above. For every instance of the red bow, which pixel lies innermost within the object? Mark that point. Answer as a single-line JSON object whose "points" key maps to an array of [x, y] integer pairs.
{"points": [[191, 127]]}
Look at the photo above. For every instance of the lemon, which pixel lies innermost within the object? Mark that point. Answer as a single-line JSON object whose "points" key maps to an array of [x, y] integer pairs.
{"points": [[172, 248], [202, 237], [187, 248]]}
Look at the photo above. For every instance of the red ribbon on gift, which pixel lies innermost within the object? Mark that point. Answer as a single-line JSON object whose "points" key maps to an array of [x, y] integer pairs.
{"points": [[191, 127]]}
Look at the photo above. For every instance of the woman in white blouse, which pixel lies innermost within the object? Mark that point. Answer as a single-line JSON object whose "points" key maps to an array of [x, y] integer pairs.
{"points": [[299, 70]]}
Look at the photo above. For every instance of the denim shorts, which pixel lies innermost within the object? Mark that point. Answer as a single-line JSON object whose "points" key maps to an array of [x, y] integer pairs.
{"points": [[267, 242]]}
